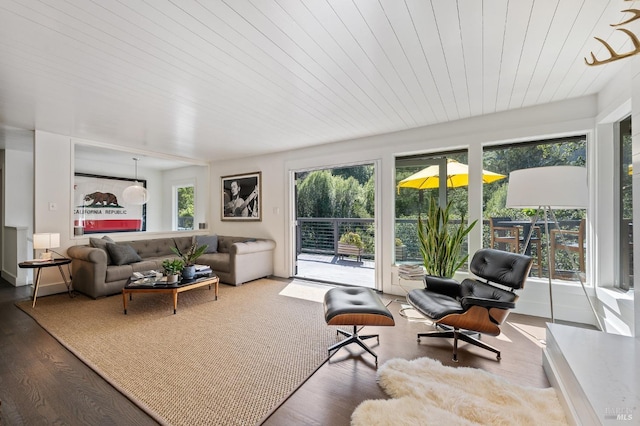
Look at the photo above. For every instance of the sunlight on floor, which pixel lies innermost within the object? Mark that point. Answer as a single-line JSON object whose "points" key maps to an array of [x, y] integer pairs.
{"points": [[407, 311], [306, 290], [537, 334]]}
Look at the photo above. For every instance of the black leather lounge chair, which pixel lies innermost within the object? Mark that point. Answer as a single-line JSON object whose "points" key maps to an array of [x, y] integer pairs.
{"points": [[477, 304]]}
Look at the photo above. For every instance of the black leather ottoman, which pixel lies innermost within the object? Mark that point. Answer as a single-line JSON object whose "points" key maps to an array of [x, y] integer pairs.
{"points": [[355, 306]]}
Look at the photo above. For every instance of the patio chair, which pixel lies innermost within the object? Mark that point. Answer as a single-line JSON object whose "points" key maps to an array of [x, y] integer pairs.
{"points": [[507, 235], [570, 241], [514, 236]]}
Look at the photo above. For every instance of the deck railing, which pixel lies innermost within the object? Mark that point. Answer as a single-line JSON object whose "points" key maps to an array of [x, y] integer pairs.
{"points": [[321, 235]]}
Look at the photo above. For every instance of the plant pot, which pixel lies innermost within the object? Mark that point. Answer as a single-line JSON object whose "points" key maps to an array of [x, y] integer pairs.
{"points": [[345, 249], [188, 272], [173, 278]]}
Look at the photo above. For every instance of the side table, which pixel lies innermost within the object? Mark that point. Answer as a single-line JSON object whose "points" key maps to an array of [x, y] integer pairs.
{"points": [[39, 264]]}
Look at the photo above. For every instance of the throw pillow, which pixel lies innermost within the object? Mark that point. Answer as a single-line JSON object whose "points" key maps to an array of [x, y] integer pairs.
{"points": [[210, 240], [101, 243], [122, 254]]}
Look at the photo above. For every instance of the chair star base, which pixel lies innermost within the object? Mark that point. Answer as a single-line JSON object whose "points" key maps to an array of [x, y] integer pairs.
{"points": [[456, 335], [355, 306], [355, 338]]}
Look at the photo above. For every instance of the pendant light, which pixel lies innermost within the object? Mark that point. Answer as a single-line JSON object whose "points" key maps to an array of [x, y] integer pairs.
{"points": [[136, 194]]}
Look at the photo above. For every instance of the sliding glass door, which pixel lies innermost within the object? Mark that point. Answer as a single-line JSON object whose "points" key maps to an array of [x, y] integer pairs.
{"points": [[335, 225]]}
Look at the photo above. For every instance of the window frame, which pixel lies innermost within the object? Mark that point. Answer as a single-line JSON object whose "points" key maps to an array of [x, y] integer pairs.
{"points": [[175, 219]]}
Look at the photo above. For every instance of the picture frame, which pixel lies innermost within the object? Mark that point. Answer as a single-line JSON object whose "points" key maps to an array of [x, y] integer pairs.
{"points": [[99, 207], [241, 197]]}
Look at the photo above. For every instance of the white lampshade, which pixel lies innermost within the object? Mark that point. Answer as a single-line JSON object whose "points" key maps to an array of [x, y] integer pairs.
{"points": [[558, 187], [46, 241], [135, 194]]}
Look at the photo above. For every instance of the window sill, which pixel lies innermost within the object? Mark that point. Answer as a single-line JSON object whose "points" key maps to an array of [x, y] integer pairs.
{"points": [[618, 309]]}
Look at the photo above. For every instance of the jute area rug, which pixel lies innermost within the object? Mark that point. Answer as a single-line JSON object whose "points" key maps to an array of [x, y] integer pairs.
{"points": [[224, 362], [425, 392]]}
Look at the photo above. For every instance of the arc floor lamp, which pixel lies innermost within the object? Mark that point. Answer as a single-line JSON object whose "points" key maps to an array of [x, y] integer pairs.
{"points": [[547, 189]]}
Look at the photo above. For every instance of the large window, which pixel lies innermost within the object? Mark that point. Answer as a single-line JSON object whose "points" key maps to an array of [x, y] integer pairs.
{"points": [[626, 206], [508, 228], [417, 182], [336, 230]]}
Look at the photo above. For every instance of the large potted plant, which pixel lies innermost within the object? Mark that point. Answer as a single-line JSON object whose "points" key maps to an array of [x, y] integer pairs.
{"points": [[441, 242], [189, 258]]}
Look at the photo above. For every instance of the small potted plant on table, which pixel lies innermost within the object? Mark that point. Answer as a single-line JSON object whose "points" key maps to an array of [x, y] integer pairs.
{"points": [[172, 268], [189, 258]]}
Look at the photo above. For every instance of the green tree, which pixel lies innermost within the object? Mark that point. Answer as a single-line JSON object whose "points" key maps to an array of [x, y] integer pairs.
{"points": [[370, 197], [316, 195], [408, 200], [515, 157], [360, 173], [336, 193], [349, 198], [186, 207]]}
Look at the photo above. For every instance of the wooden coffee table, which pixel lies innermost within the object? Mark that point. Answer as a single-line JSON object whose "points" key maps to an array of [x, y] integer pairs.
{"points": [[157, 285]]}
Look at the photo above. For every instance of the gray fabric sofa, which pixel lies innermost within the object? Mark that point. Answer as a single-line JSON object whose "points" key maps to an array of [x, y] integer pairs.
{"points": [[236, 261]]}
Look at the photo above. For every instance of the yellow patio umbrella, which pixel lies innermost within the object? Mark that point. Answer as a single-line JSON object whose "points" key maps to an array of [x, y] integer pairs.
{"points": [[457, 175]]}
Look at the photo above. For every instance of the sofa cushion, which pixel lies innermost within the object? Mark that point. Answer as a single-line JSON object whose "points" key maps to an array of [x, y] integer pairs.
{"points": [[118, 273], [224, 244], [160, 246], [219, 262], [210, 240], [147, 265], [122, 254], [101, 243]]}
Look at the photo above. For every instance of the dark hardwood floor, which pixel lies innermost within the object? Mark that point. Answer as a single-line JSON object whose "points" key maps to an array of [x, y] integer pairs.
{"points": [[43, 383]]}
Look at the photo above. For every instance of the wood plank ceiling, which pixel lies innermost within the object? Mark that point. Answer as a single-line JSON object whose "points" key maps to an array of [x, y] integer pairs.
{"points": [[221, 79]]}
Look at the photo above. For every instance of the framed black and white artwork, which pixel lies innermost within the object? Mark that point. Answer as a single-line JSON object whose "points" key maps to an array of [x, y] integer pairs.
{"points": [[241, 197]]}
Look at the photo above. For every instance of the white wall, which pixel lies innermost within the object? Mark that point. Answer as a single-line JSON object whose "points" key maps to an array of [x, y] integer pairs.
{"points": [[52, 184], [18, 213], [196, 175], [18, 188]]}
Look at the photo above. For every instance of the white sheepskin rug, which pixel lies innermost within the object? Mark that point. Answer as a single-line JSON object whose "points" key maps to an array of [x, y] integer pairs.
{"points": [[425, 392]]}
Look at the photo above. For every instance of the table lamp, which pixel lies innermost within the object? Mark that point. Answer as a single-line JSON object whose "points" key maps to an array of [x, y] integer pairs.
{"points": [[46, 241]]}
